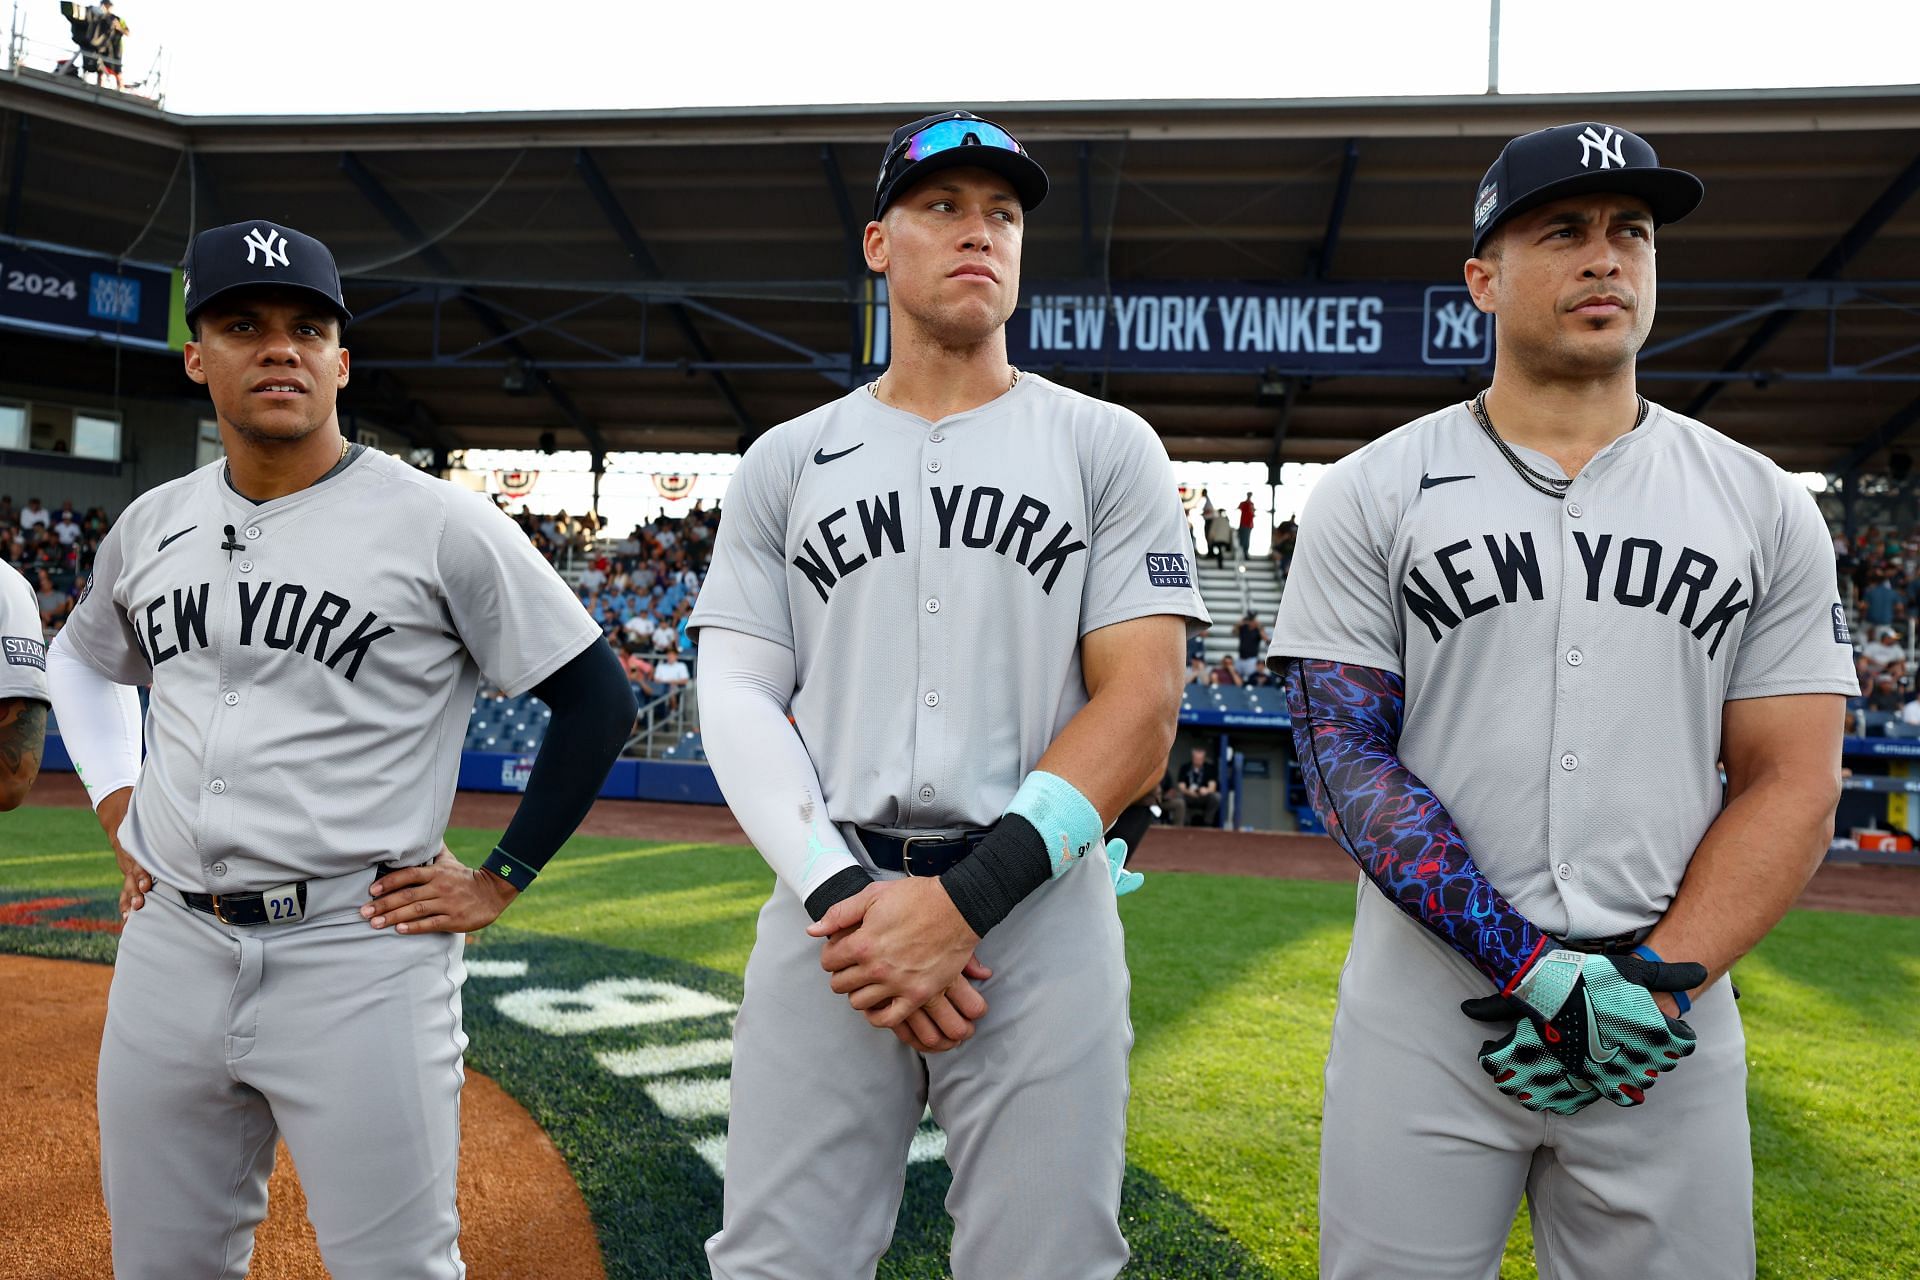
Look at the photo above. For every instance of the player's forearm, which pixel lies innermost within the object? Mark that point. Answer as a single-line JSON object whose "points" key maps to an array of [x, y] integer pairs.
{"points": [[764, 771], [1115, 747], [592, 717], [1748, 870], [1346, 731]]}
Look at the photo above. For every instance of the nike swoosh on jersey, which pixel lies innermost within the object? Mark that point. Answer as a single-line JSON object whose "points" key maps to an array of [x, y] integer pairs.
{"points": [[1427, 482], [1599, 1040], [172, 536], [822, 456]]}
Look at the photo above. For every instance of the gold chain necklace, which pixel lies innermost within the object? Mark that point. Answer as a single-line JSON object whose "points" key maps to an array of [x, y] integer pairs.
{"points": [[873, 388]]}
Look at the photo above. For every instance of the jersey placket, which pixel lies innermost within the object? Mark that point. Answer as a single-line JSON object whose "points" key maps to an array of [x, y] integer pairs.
{"points": [[1577, 636], [934, 620], [234, 684]]}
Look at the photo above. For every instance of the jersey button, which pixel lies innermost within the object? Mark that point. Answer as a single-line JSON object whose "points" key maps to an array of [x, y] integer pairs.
{"points": [[218, 868], [1564, 871], [1575, 657], [232, 699], [246, 566], [1569, 762], [926, 793], [1574, 510], [217, 786], [936, 438], [253, 531], [933, 606], [933, 464], [933, 699]]}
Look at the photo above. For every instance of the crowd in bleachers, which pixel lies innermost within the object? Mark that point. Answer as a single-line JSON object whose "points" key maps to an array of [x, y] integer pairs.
{"points": [[1880, 573], [53, 548]]}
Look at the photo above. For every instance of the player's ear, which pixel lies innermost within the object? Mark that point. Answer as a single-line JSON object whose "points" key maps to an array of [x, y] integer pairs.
{"points": [[873, 244], [340, 374], [1481, 273], [190, 357]]}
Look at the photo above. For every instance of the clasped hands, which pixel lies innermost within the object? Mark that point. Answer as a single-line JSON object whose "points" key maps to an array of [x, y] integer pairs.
{"points": [[903, 955]]}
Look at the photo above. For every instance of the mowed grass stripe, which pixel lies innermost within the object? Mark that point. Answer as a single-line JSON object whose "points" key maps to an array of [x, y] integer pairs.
{"points": [[1233, 991]]}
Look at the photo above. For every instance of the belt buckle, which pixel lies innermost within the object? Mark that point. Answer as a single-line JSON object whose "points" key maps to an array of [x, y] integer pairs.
{"points": [[218, 912], [906, 850]]}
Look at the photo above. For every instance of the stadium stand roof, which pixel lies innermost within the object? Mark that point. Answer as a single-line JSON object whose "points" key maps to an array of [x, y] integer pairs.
{"points": [[680, 279]]}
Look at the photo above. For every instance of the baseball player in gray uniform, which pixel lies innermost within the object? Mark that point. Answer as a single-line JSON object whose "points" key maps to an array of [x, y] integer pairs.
{"points": [[23, 688], [1520, 637], [971, 588], [312, 617]]}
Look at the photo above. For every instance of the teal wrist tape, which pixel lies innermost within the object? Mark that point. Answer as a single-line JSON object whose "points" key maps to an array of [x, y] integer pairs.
{"points": [[1065, 819]]}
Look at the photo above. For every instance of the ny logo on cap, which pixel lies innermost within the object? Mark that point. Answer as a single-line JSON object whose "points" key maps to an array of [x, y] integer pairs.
{"points": [[275, 256], [1610, 155]]}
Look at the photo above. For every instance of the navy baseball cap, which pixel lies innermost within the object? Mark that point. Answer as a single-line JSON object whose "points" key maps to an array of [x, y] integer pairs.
{"points": [[949, 140], [244, 254], [1576, 159]]}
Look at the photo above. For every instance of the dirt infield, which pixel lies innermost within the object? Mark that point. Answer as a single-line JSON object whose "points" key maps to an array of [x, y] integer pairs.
{"points": [[1876, 890], [521, 1214]]}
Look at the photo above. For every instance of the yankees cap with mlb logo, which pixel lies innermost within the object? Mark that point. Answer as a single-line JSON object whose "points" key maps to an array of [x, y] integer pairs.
{"points": [[244, 254], [1575, 159]]}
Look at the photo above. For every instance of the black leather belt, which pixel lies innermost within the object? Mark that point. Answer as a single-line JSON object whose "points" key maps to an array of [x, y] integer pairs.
{"points": [[238, 908], [918, 855], [1620, 944]]}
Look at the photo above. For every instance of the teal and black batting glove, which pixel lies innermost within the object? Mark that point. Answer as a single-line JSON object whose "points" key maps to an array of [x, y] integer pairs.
{"points": [[1129, 829], [1596, 1015], [1525, 1071]]}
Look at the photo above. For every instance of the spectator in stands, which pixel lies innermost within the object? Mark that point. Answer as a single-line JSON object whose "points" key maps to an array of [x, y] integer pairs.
{"points": [[593, 579], [1261, 678], [1219, 538], [673, 674], [9, 518], [1224, 674], [35, 516], [1196, 669], [95, 525], [638, 668], [1246, 526], [1252, 639], [1886, 695], [638, 626], [665, 636], [52, 601], [1885, 649], [1283, 536], [1880, 599], [1197, 646], [1199, 789]]}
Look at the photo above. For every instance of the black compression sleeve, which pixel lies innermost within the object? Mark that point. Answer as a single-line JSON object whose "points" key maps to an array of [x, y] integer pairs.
{"points": [[593, 710], [843, 884]]}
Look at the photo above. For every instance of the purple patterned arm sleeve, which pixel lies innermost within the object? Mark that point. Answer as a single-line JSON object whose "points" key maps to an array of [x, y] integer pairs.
{"points": [[1346, 736]]}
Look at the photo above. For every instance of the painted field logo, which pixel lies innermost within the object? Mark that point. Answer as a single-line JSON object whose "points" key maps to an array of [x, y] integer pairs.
{"points": [[1168, 569]]}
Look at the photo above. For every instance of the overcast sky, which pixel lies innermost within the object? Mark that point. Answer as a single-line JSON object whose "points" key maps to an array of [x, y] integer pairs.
{"points": [[353, 56]]}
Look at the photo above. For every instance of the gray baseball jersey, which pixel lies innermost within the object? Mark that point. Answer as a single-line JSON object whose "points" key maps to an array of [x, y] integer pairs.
{"points": [[1566, 662], [1566, 666], [934, 585], [23, 654], [933, 582], [313, 662]]}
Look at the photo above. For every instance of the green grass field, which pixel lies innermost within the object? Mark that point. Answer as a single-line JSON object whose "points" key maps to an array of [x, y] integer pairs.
{"points": [[1233, 987]]}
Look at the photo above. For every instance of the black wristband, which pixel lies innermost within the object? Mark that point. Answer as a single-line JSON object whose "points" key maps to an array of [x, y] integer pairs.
{"points": [[509, 868], [991, 881], [839, 887]]}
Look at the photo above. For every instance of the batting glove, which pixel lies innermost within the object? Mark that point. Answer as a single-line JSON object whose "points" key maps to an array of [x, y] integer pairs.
{"points": [[1129, 829], [1596, 1016]]}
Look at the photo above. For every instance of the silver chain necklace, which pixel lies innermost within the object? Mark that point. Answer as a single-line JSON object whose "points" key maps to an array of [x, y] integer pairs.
{"points": [[873, 388], [1552, 486]]}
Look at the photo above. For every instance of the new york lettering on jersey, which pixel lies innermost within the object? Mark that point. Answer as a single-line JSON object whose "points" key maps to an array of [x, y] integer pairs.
{"points": [[273, 615], [1001, 520]]}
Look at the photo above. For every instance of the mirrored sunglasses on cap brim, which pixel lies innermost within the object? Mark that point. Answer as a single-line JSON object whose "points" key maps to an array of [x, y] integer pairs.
{"points": [[948, 134]]}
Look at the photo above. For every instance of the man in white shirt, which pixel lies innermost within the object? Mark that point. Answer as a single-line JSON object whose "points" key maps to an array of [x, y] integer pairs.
{"points": [[1885, 649], [35, 516], [67, 528]]}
